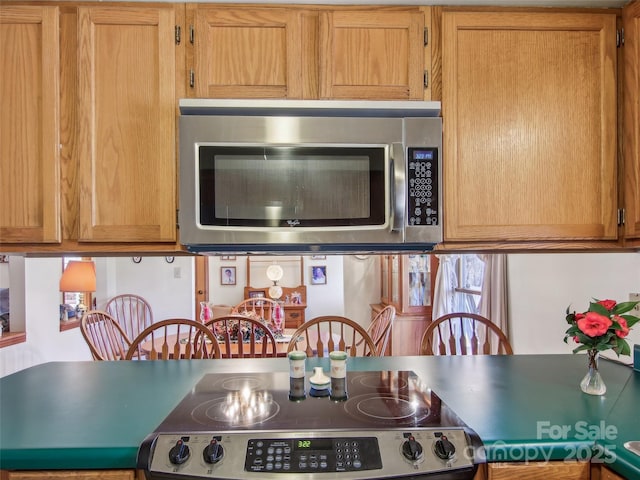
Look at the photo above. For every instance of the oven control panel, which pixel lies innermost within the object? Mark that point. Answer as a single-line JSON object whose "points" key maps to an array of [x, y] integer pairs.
{"points": [[230, 455], [311, 455]]}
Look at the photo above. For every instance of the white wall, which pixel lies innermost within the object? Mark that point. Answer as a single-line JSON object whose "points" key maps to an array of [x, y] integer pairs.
{"points": [[541, 286], [4, 275], [168, 287], [36, 280], [327, 299], [45, 342], [363, 283]]}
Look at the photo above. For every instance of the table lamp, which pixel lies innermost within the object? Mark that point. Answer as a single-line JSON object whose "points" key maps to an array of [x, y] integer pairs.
{"points": [[275, 273], [79, 276]]}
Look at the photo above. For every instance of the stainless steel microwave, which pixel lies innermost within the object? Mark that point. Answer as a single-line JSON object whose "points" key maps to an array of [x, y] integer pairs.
{"points": [[264, 176]]}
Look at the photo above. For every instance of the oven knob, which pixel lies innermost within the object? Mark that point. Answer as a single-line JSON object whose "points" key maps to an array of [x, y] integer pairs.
{"points": [[179, 453], [411, 449], [213, 452], [444, 448]]}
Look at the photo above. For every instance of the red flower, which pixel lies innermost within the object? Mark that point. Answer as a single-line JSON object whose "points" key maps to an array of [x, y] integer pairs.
{"points": [[623, 324], [579, 316], [608, 304], [593, 324]]}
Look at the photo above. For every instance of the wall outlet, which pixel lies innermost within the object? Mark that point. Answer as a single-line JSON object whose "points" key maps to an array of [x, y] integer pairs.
{"points": [[177, 273], [635, 297]]}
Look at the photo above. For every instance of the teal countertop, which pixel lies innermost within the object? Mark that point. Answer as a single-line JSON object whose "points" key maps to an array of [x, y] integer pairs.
{"points": [[94, 415]]}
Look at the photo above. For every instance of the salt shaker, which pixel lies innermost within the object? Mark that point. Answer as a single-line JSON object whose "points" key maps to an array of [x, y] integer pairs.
{"points": [[297, 360]]}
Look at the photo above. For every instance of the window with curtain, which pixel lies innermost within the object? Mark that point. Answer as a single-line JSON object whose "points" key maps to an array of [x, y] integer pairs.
{"points": [[474, 283]]}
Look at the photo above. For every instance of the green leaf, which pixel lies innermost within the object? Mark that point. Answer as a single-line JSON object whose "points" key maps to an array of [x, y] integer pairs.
{"points": [[623, 307], [624, 347], [596, 307], [631, 320], [615, 325], [581, 348]]}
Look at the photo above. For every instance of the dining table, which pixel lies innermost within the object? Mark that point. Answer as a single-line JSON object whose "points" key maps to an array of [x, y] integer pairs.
{"points": [[282, 344]]}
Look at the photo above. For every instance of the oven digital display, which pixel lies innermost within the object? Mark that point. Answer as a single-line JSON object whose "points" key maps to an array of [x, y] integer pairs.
{"points": [[314, 444]]}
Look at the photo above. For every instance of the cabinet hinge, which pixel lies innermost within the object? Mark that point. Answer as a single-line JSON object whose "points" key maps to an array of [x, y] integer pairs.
{"points": [[192, 34], [178, 34], [621, 217], [426, 36], [426, 79], [620, 37], [192, 78]]}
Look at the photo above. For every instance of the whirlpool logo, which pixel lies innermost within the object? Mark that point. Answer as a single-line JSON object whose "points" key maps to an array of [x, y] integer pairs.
{"points": [[293, 223]]}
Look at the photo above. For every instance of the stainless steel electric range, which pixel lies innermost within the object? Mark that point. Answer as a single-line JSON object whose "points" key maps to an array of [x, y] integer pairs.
{"points": [[387, 424]]}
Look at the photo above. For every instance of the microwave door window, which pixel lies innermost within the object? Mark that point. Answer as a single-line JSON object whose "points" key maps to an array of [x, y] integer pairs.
{"points": [[247, 186]]}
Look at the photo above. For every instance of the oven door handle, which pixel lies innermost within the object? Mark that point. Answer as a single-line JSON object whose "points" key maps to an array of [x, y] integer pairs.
{"points": [[397, 190]]}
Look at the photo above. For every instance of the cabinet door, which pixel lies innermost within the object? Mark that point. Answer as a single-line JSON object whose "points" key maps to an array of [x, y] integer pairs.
{"points": [[561, 470], [529, 111], [606, 474], [372, 55], [127, 146], [29, 125], [631, 134], [71, 475], [247, 52]]}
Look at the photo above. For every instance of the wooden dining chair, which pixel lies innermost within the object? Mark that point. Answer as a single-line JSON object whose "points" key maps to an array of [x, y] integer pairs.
{"points": [[132, 312], [105, 337], [322, 335], [256, 339], [259, 308], [174, 338], [464, 334], [380, 329]]}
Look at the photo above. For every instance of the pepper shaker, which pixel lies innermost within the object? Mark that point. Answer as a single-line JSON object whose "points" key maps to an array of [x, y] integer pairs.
{"points": [[338, 375]]}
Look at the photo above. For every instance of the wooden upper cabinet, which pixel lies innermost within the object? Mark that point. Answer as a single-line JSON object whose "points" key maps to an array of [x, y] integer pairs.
{"points": [[29, 125], [303, 52], [126, 123], [246, 52], [529, 112], [371, 54], [631, 134]]}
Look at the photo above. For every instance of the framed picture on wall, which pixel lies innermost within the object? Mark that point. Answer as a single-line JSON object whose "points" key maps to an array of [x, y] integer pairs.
{"points": [[318, 275], [228, 275]]}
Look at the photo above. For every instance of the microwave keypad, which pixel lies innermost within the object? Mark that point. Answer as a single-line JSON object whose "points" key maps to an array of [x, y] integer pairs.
{"points": [[422, 185]]}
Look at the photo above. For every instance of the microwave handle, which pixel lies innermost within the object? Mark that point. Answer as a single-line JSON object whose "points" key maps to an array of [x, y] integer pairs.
{"points": [[397, 191]]}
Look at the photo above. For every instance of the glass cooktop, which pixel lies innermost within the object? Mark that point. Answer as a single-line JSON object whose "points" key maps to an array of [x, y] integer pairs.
{"points": [[261, 401]]}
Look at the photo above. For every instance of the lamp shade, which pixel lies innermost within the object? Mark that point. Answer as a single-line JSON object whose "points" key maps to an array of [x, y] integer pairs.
{"points": [[79, 276]]}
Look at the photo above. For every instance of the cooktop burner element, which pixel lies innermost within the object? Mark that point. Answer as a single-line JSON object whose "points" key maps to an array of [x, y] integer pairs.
{"points": [[244, 408], [245, 426], [386, 409]]}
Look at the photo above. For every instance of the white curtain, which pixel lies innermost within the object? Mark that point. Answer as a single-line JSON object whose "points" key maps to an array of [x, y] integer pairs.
{"points": [[493, 300], [444, 297]]}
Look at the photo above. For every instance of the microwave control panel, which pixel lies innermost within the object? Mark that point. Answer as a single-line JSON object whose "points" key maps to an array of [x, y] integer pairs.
{"points": [[422, 187]]}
